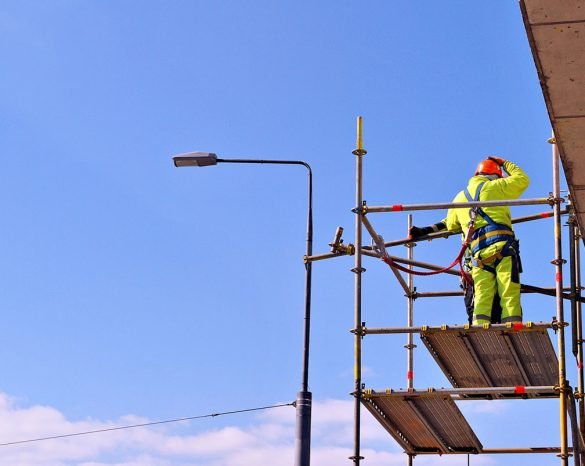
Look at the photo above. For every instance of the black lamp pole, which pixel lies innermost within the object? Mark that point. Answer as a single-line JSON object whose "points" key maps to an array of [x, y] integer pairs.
{"points": [[304, 397]]}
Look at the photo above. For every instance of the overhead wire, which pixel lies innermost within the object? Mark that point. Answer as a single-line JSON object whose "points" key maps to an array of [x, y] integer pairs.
{"points": [[145, 424]]}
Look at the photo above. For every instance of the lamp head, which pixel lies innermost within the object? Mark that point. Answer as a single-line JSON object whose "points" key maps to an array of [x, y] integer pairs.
{"points": [[195, 159]]}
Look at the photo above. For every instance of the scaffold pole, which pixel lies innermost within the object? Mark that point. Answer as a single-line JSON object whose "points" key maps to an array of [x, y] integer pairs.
{"points": [[359, 152], [558, 263]]}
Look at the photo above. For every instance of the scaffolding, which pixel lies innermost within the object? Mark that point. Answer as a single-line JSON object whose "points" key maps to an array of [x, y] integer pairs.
{"points": [[489, 362]]}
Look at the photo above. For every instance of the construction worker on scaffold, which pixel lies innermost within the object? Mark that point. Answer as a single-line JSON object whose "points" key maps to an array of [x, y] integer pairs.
{"points": [[494, 250]]}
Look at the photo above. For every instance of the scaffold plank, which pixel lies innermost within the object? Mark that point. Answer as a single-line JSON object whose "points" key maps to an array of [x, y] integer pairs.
{"points": [[424, 424], [478, 357]]}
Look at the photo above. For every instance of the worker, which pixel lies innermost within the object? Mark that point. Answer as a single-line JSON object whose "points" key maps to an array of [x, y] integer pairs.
{"points": [[495, 259]]}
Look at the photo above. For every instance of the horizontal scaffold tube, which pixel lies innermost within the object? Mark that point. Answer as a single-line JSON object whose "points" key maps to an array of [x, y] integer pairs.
{"points": [[505, 451], [436, 294], [523, 289], [455, 205], [467, 328], [456, 392]]}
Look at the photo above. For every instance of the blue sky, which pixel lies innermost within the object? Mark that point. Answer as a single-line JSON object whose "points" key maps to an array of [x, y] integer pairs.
{"points": [[131, 289]]}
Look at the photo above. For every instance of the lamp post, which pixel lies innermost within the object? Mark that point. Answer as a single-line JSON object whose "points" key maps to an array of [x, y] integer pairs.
{"points": [[304, 397]]}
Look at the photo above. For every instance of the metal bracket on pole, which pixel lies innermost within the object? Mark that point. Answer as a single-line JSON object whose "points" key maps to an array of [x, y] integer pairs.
{"points": [[361, 331], [558, 261], [556, 325], [361, 210], [552, 200]]}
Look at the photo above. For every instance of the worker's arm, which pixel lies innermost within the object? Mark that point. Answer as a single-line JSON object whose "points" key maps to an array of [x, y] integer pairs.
{"points": [[452, 222], [515, 184], [417, 232]]}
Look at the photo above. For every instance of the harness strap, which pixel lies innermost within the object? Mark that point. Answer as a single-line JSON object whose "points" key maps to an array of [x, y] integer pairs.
{"points": [[481, 263], [488, 235]]}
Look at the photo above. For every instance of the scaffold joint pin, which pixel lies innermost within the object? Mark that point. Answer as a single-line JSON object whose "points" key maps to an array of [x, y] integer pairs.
{"points": [[557, 325], [554, 200], [362, 210], [337, 240]]}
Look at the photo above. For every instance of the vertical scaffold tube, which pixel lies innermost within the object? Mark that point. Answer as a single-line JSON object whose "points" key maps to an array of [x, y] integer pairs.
{"points": [[410, 317], [573, 281], [410, 322], [579, 325], [558, 262], [359, 152]]}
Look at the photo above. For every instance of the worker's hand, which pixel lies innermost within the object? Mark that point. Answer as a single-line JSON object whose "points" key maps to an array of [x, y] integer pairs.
{"points": [[499, 160], [416, 232]]}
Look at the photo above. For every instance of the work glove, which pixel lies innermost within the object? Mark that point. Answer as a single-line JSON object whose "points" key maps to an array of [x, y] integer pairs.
{"points": [[499, 160], [416, 232]]}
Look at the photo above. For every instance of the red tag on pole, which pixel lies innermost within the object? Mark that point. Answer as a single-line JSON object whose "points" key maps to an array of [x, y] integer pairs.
{"points": [[520, 389], [517, 325], [396, 207], [409, 375]]}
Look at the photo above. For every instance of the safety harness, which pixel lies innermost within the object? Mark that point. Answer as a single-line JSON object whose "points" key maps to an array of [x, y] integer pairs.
{"points": [[487, 235]]}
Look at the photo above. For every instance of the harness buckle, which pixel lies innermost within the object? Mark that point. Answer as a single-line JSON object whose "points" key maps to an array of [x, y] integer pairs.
{"points": [[482, 263]]}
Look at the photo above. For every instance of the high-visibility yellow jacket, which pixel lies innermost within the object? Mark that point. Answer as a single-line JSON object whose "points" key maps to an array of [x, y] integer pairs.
{"points": [[507, 188]]}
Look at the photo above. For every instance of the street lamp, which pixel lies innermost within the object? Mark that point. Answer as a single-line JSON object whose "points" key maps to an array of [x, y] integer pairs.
{"points": [[304, 397]]}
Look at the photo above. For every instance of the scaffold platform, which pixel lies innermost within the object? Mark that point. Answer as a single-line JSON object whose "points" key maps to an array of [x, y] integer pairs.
{"points": [[423, 424], [517, 356]]}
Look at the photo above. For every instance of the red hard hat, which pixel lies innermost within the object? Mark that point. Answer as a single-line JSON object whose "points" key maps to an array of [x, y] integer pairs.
{"points": [[488, 167]]}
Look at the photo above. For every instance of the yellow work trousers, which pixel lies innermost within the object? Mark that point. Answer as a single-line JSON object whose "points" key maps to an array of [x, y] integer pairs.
{"points": [[506, 281]]}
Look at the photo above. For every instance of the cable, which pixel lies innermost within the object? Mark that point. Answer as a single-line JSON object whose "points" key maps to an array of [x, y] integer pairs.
{"points": [[146, 424]]}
